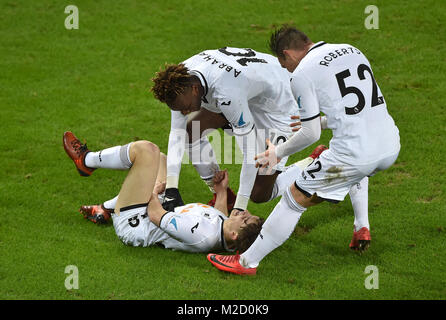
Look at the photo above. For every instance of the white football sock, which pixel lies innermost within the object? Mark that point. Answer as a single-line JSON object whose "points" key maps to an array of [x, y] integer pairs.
{"points": [[112, 158], [288, 177], [203, 159], [359, 196], [110, 204], [277, 228]]}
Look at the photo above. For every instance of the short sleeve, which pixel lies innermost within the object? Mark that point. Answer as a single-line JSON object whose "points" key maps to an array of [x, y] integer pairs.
{"points": [[305, 95]]}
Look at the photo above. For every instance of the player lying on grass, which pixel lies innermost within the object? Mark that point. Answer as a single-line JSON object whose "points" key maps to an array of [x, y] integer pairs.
{"points": [[335, 79], [138, 216], [242, 90]]}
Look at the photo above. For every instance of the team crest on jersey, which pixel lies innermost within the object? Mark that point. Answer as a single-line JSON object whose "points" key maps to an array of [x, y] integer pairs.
{"points": [[299, 102], [241, 123], [174, 222]]}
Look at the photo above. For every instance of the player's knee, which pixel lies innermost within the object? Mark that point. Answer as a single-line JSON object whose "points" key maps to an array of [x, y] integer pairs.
{"points": [[145, 147]]}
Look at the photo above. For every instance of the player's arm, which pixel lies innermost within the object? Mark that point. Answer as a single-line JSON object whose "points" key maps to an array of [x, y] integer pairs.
{"points": [[310, 130], [296, 125], [156, 210], [221, 183], [188, 229], [175, 152], [242, 122]]}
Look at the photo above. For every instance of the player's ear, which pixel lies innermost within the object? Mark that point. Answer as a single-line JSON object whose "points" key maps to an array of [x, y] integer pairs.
{"points": [[195, 89], [285, 53], [234, 235]]}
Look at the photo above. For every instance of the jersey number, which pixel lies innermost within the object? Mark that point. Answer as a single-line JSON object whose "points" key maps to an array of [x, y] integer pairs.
{"points": [[376, 100], [246, 56], [318, 168]]}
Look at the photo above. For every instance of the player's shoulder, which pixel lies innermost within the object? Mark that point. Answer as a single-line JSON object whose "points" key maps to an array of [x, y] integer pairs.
{"points": [[323, 55]]}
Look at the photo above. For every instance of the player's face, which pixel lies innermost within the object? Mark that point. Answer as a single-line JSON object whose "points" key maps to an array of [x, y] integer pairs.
{"points": [[242, 218], [187, 102], [288, 63]]}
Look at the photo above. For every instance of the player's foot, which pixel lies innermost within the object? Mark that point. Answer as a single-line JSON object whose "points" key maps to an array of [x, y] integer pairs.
{"points": [[230, 264], [77, 151], [317, 151], [96, 213], [361, 240], [230, 202]]}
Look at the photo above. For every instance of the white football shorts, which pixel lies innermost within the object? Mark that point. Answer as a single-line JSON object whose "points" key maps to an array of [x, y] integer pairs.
{"points": [[133, 227], [331, 179]]}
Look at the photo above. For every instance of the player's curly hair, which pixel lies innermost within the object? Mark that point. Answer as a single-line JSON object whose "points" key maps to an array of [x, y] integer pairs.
{"points": [[248, 235], [171, 82], [287, 37]]}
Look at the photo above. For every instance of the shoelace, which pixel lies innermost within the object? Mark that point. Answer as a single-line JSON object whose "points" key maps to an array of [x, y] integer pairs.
{"points": [[78, 147]]}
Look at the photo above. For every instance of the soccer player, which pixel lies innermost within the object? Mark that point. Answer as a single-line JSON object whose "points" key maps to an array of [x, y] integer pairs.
{"points": [[336, 79], [240, 89], [138, 216]]}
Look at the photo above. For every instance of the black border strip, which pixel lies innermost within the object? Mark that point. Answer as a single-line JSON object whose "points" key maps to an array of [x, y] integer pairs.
{"points": [[161, 219], [206, 89], [317, 46], [308, 195], [311, 118], [133, 206]]}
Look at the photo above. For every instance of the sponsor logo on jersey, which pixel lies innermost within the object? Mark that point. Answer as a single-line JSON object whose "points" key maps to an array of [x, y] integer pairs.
{"points": [[194, 227]]}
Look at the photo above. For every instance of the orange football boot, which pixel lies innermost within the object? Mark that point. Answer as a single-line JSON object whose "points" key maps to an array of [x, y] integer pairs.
{"points": [[77, 151]]}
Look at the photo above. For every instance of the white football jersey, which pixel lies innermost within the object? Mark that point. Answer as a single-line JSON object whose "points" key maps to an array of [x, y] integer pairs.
{"points": [[194, 227], [253, 93], [242, 82], [337, 79]]}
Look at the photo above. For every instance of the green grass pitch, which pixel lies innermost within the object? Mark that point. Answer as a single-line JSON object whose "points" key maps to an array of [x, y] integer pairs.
{"points": [[95, 81]]}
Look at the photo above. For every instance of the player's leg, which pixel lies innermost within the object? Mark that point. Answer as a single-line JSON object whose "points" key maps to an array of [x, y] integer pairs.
{"points": [[131, 219], [277, 228], [101, 213], [359, 197], [138, 185], [162, 169], [200, 151], [199, 148], [279, 225], [311, 187], [87, 161], [267, 188]]}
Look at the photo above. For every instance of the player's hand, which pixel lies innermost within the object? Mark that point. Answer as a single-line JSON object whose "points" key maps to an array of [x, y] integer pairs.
{"points": [[268, 159], [172, 199], [296, 125], [235, 212], [159, 187], [221, 181]]}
